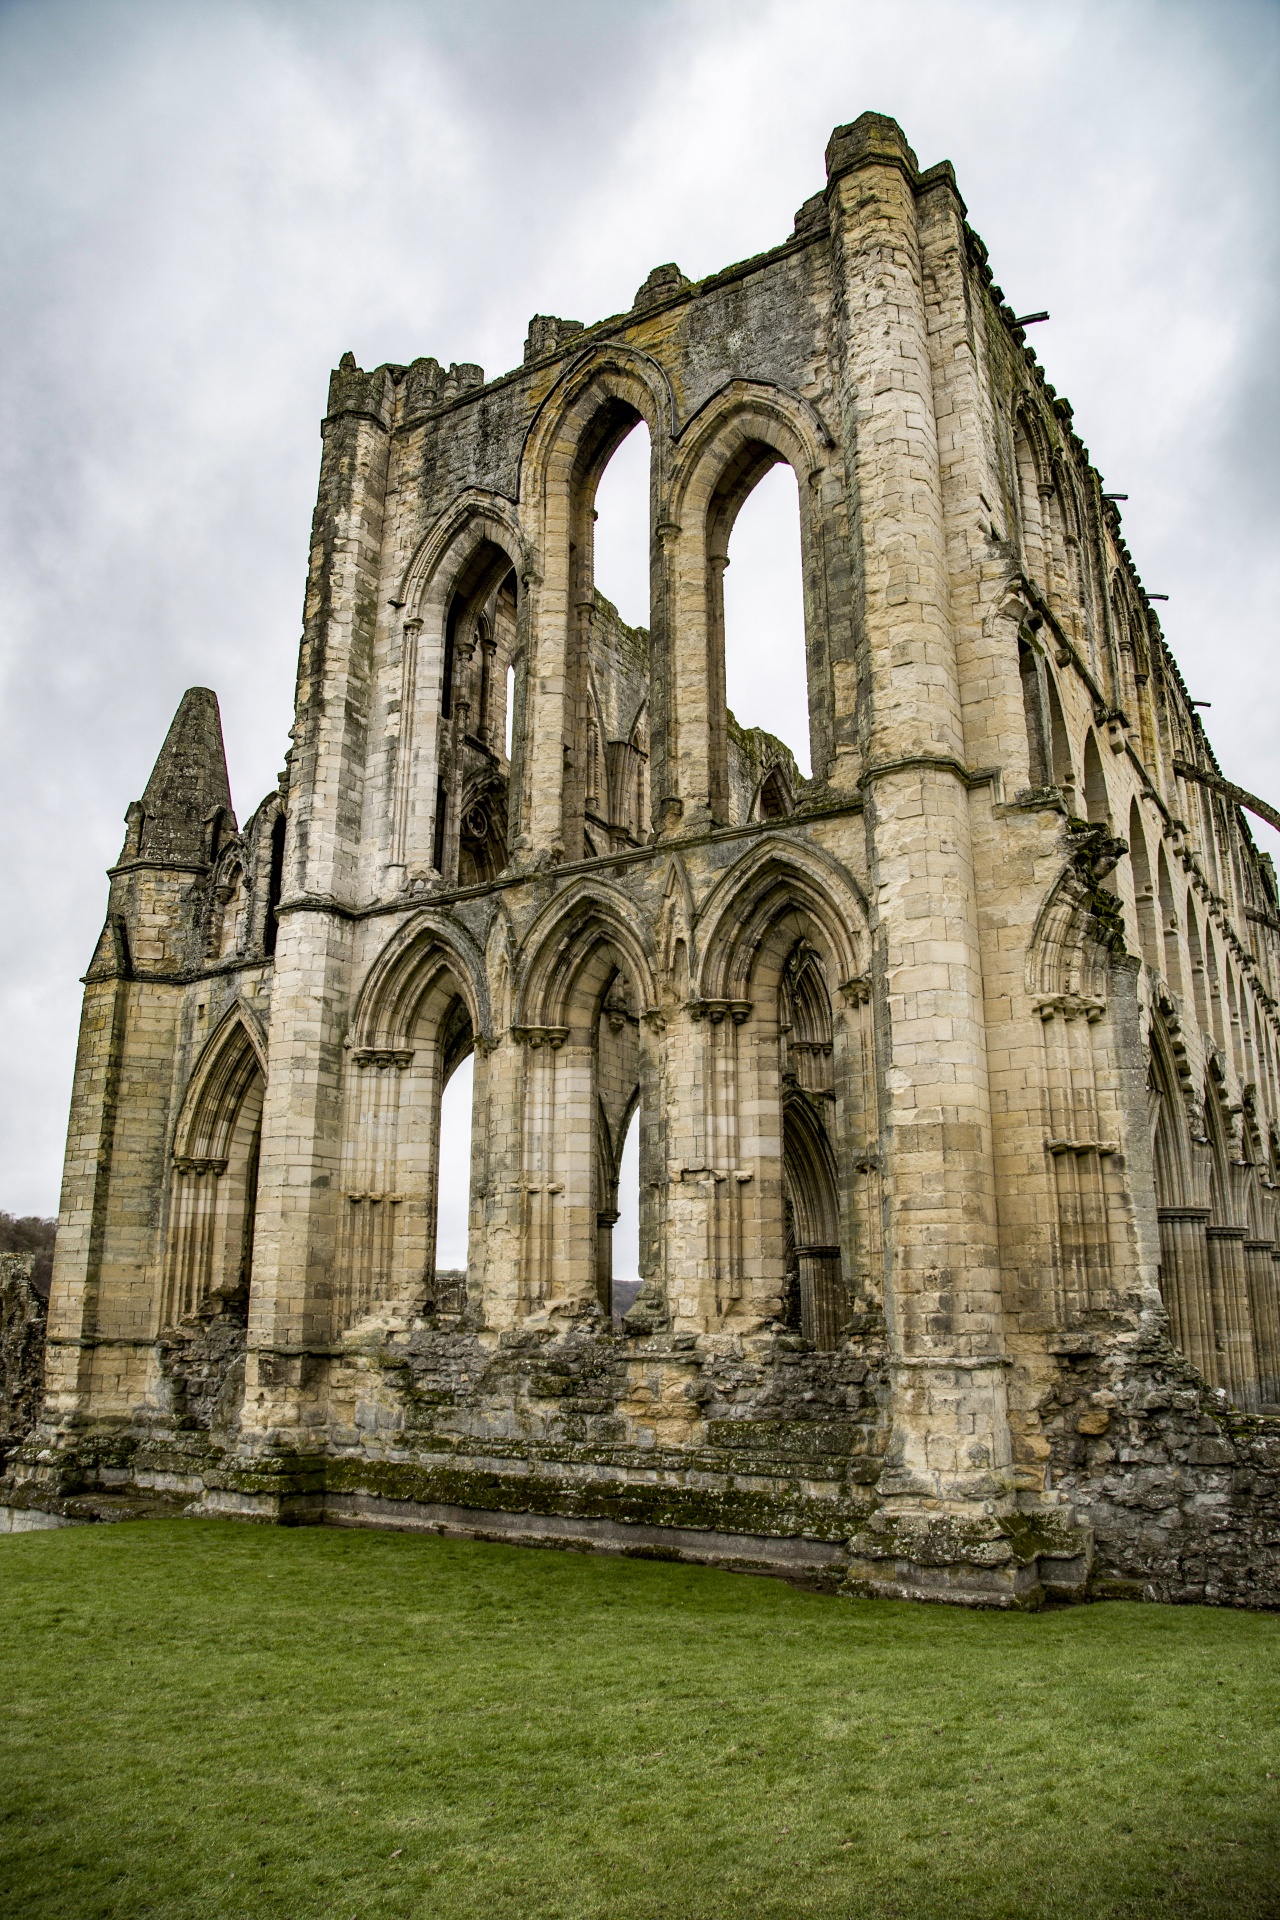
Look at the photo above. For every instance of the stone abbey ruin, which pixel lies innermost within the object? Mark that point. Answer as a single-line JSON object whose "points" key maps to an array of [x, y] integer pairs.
{"points": [[957, 1064]]}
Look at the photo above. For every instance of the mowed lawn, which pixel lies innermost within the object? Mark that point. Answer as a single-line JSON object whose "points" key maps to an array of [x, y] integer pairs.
{"points": [[201, 1718]]}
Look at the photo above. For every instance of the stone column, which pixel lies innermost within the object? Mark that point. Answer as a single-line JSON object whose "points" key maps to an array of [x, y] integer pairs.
{"points": [[1264, 1311], [1235, 1322], [547, 713], [1186, 1288], [695, 779], [950, 1451]]}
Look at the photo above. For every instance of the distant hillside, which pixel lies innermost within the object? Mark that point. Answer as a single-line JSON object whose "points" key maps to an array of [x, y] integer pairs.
{"points": [[624, 1296]]}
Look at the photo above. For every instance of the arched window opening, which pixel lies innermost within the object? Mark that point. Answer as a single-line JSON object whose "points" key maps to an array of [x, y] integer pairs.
{"points": [[213, 1195], [762, 603], [1063, 771], [453, 1186], [1184, 1284], [1199, 980], [482, 835], [624, 1239], [1144, 714], [617, 1181], [457, 608], [1208, 814], [510, 709], [1217, 1022], [1033, 709], [483, 677], [608, 642], [1168, 1158], [235, 914], [474, 713], [621, 528], [1064, 549], [1143, 891], [813, 1293], [775, 795], [274, 885], [406, 1172], [229, 921], [1234, 1034], [1169, 924], [1096, 799], [1034, 542]]}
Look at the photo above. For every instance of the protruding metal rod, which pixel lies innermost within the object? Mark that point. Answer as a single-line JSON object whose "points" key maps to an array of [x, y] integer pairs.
{"points": [[1115, 496], [1229, 791], [1030, 319]]}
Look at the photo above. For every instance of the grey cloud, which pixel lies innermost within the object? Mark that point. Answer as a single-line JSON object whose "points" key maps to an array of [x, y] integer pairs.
{"points": [[206, 205]]}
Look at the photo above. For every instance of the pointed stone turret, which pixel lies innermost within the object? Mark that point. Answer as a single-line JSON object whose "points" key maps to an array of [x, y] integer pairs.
{"points": [[188, 795]]}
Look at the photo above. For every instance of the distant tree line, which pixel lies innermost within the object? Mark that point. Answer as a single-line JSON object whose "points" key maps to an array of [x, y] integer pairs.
{"points": [[28, 1233]]}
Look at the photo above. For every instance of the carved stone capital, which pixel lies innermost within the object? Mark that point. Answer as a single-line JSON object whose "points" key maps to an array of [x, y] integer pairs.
{"points": [[194, 1163], [553, 1037], [717, 1010]]}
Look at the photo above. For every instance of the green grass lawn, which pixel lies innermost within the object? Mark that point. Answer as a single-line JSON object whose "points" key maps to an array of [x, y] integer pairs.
{"points": [[201, 1718]]}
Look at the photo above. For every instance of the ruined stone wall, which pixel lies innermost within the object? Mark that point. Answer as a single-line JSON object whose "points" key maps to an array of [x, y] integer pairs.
{"points": [[955, 1064], [22, 1335]]}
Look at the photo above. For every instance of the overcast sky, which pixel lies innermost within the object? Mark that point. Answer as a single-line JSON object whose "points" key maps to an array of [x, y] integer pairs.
{"points": [[206, 204]]}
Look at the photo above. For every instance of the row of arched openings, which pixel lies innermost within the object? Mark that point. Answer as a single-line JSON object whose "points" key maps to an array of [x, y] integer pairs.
{"points": [[410, 1161], [757, 603]]}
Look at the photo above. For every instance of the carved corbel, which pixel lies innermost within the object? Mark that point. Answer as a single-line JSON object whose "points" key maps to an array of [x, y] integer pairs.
{"points": [[194, 1163], [553, 1037], [717, 1010]]}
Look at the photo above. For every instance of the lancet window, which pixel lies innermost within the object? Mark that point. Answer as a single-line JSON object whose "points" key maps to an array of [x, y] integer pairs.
{"points": [[410, 1039], [213, 1183]]}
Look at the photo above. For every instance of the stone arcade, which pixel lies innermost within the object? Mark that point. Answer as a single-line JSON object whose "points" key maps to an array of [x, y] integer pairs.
{"points": [[956, 1063]]}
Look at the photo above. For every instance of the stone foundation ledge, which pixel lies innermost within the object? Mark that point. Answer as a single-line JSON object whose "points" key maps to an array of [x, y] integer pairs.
{"points": [[819, 1563], [29, 1510], [1015, 1560]]}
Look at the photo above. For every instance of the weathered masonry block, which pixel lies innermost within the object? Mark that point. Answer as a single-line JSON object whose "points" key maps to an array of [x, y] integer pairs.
{"points": [[955, 1061]]}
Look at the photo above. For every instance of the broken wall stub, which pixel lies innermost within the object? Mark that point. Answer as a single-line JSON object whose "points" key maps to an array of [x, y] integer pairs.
{"points": [[955, 1064], [22, 1336]]}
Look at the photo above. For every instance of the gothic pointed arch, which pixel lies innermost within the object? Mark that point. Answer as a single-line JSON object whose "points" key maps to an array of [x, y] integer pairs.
{"points": [[589, 915], [732, 441], [476, 518], [389, 998], [482, 828], [1080, 924], [234, 1052], [742, 432], [773, 879], [604, 376], [213, 1176]]}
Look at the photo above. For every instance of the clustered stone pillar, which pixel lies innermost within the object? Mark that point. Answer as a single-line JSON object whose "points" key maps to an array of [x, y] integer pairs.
{"points": [[950, 1458]]}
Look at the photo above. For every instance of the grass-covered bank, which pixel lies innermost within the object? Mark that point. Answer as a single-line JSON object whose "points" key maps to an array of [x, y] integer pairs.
{"points": [[208, 1719]]}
